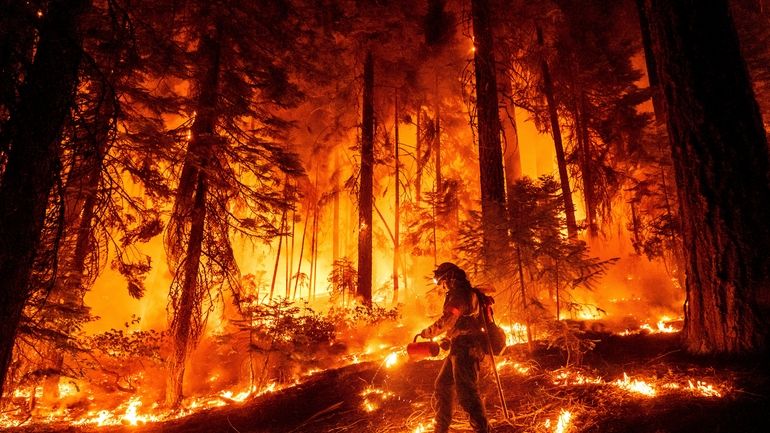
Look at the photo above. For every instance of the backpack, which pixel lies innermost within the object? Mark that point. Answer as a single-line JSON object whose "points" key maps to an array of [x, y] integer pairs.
{"points": [[496, 335]]}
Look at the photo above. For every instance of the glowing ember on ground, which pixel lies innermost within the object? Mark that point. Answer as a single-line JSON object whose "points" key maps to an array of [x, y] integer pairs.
{"points": [[374, 397], [704, 389], [635, 386], [422, 428], [567, 377], [647, 388], [517, 367], [563, 424]]}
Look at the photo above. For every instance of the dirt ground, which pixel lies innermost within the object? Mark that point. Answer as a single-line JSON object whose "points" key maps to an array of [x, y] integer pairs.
{"points": [[631, 384]]}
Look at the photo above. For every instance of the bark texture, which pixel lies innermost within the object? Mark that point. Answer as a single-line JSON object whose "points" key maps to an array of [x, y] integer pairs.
{"points": [[189, 221], [365, 190], [31, 169], [721, 163], [490, 151]]}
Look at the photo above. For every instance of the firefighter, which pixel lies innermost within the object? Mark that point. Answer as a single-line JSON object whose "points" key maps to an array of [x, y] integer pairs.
{"points": [[460, 372]]}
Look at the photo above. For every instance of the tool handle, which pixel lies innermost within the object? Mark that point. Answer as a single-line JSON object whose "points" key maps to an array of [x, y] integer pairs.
{"points": [[415, 338]]}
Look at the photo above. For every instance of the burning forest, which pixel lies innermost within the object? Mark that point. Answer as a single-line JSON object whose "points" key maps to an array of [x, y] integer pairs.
{"points": [[384, 216]]}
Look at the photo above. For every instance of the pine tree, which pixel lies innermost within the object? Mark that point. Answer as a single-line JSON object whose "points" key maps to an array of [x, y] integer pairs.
{"points": [[32, 167], [720, 158]]}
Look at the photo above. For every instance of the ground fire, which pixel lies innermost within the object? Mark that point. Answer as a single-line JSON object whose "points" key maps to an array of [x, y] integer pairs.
{"points": [[384, 216]]}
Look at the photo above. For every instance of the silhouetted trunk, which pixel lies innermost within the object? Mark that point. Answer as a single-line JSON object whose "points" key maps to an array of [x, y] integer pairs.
{"points": [[278, 253], [490, 152], [397, 212], [80, 199], [420, 162], [649, 59], [336, 218], [569, 206], [586, 165], [437, 137], [31, 169], [365, 190], [507, 115], [721, 163], [190, 206], [299, 263]]}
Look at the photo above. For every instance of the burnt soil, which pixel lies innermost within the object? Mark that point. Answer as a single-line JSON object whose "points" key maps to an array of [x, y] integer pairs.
{"points": [[333, 401]]}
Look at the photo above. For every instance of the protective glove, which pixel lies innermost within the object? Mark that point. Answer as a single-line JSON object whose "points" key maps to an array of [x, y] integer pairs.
{"points": [[424, 333]]}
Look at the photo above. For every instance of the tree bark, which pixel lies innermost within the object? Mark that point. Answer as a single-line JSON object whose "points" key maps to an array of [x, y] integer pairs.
{"points": [[720, 158], [31, 168], [190, 211], [561, 161], [365, 190], [490, 152]]}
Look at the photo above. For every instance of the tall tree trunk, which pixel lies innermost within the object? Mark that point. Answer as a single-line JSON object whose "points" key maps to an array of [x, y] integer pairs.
{"points": [[31, 167], [419, 159], [278, 254], [437, 137], [182, 329], [336, 217], [190, 213], [586, 166], [507, 115], [561, 161], [649, 59], [365, 190], [313, 254], [301, 252], [720, 158], [80, 200], [397, 212], [490, 152]]}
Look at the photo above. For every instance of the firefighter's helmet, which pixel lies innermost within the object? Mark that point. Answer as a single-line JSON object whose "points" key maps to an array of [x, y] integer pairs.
{"points": [[446, 271]]}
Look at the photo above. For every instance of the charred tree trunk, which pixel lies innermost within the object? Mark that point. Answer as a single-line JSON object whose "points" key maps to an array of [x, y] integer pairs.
{"points": [[336, 219], [301, 253], [490, 152], [397, 216], [419, 159], [561, 161], [586, 166], [31, 168], [365, 190], [649, 59], [189, 214], [721, 163], [437, 137]]}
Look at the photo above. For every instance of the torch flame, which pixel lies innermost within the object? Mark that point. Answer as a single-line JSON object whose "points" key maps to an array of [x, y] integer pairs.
{"points": [[391, 360]]}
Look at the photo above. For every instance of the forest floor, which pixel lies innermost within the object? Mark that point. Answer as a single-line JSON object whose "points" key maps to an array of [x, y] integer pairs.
{"points": [[639, 383]]}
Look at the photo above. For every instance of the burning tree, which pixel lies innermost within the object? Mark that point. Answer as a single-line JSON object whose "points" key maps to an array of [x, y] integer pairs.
{"points": [[233, 158]]}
